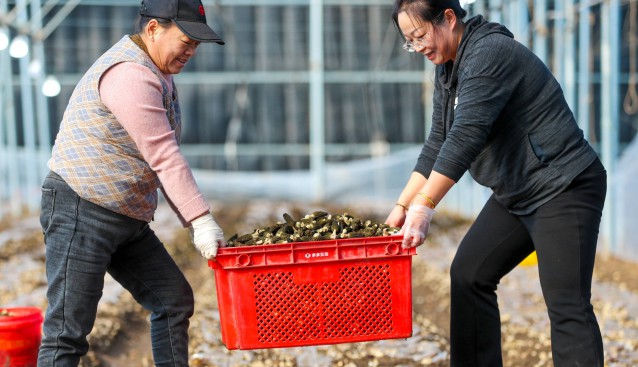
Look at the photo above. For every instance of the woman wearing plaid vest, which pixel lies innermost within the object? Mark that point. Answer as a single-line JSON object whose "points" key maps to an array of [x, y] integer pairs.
{"points": [[117, 145]]}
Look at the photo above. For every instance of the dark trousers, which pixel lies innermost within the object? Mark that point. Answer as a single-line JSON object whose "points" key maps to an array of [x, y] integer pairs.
{"points": [[564, 233], [83, 243]]}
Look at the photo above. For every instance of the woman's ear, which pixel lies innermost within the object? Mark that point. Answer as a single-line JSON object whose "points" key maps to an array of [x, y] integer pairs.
{"points": [[450, 17], [151, 28]]}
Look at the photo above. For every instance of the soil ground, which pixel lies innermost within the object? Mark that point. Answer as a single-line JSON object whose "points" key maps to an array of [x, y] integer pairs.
{"points": [[121, 335]]}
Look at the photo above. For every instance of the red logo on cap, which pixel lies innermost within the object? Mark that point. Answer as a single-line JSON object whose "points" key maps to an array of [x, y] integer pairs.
{"points": [[201, 10]]}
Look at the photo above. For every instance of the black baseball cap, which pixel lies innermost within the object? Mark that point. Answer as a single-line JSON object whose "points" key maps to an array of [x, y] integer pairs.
{"points": [[189, 15]]}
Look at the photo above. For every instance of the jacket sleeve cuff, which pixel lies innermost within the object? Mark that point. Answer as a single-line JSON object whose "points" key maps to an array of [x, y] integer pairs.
{"points": [[193, 209], [450, 170]]}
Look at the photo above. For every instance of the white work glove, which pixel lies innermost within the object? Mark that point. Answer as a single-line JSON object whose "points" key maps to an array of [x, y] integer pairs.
{"points": [[207, 236], [416, 226]]}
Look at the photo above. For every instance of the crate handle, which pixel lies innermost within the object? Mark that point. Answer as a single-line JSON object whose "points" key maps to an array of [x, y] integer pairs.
{"points": [[214, 264], [242, 260], [392, 249]]}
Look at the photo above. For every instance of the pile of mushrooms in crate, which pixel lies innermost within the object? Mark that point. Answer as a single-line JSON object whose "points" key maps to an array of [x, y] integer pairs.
{"points": [[318, 226]]}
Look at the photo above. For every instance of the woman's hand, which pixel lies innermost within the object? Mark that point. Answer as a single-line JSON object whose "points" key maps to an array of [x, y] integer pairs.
{"points": [[207, 236], [417, 225], [396, 217]]}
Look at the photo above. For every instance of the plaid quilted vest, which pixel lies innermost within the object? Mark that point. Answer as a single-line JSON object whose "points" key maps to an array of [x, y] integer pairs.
{"points": [[96, 156]]}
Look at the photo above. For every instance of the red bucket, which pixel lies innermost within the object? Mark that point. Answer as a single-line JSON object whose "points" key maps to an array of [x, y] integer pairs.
{"points": [[20, 335]]}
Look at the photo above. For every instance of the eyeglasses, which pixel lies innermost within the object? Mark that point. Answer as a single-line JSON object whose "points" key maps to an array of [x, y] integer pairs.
{"points": [[417, 44]]}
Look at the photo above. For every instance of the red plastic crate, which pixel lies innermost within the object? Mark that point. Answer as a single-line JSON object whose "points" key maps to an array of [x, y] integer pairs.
{"points": [[314, 293]]}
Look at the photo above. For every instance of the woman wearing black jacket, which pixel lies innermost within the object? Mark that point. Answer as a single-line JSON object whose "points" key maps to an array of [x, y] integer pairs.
{"points": [[501, 115]]}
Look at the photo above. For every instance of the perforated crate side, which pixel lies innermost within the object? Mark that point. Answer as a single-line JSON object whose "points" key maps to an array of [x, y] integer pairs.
{"points": [[313, 304]]}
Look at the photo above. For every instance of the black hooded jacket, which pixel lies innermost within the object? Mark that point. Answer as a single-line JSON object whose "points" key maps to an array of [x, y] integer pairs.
{"points": [[500, 113]]}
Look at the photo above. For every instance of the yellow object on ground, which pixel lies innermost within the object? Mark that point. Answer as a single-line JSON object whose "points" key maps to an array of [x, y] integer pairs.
{"points": [[530, 260]]}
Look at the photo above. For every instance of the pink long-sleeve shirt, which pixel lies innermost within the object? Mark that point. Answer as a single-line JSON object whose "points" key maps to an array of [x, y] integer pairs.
{"points": [[133, 94]]}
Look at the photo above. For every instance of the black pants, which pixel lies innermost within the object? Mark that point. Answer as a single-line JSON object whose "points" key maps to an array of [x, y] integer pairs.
{"points": [[564, 233]]}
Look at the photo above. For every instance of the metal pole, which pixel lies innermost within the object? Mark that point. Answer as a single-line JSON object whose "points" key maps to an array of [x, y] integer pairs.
{"points": [[559, 47], [42, 111], [610, 48], [479, 8], [522, 16], [29, 164], [584, 40], [4, 62], [540, 30], [8, 113], [68, 7], [48, 6], [569, 67], [511, 20], [317, 113], [13, 14], [495, 11]]}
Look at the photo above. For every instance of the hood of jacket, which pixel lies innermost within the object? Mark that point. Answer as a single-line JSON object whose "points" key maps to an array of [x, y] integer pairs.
{"points": [[475, 29]]}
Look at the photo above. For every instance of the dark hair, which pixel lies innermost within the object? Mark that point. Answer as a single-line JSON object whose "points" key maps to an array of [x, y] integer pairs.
{"points": [[142, 21], [426, 10]]}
